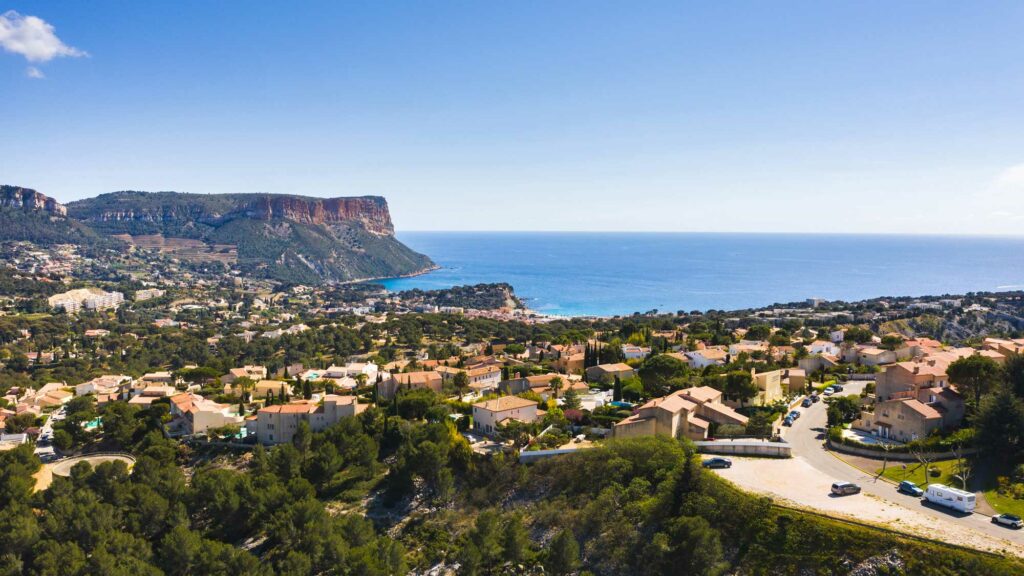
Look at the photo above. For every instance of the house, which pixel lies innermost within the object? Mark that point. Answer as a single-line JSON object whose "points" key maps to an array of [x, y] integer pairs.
{"points": [[872, 356], [570, 364], [823, 347], [408, 381], [747, 346], [484, 379], [52, 394], [108, 384], [608, 372], [769, 386], [163, 377], [794, 380], [707, 357], [633, 352], [277, 424], [903, 420], [199, 414], [254, 373], [818, 362], [490, 414], [688, 413], [906, 379], [271, 387]]}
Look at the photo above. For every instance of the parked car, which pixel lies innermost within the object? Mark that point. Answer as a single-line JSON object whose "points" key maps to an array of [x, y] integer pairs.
{"points": [[828, 391], [717, 463], [1008, 520], [837, 388], [807, 403], [787, 421], [815, 398], [908, 487], [794, 414], [844, 488]]}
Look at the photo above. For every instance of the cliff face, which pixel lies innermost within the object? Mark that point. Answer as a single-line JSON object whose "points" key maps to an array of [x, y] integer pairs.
{"points": [[30, 201], [372, 211], [215, 209]]}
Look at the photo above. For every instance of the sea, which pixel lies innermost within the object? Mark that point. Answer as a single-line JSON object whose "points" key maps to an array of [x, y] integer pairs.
{"points": [[607, 274]]}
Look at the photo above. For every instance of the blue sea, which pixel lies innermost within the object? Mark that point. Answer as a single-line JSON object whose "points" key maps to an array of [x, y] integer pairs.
{"points": [[604, 274]]}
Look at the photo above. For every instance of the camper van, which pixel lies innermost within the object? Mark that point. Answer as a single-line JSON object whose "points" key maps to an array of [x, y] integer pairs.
{"points": [[959, 500]]}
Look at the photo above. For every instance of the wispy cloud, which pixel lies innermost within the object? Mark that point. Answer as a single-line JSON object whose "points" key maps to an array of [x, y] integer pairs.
{"points": [[1011, 178], [33, 38]]}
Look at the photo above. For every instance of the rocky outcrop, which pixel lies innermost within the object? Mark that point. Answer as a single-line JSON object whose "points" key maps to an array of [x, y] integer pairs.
{"points": [[30, 201], [372, 211]]}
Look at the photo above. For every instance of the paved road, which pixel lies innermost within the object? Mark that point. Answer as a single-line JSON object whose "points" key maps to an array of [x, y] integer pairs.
{"points": [[807, 437]]}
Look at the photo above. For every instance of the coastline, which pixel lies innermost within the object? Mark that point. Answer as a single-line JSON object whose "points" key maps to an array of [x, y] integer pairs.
{"points": [[427, 270]]}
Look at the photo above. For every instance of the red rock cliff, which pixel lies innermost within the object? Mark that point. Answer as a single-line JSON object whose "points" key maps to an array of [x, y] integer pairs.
{"points": [[372, 211]]}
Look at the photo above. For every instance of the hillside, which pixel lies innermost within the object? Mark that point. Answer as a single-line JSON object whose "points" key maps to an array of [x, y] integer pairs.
{"points": [[282, 237], [27, 215]]}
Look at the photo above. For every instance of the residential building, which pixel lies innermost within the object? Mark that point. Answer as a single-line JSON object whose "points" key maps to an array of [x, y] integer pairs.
{"points": [[408, 381], [490, 414], [148, 294], [715, 356], [823, 347], [608, 372], [688, 413], [197, 414], [254, 373], [277, 424], [73, 301]]}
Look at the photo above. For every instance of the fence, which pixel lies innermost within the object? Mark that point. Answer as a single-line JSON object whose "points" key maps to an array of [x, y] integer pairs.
{"points": [[899, 453]]}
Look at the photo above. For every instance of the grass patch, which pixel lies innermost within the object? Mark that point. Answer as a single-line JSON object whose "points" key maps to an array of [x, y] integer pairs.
{"points": [[915, 472], [1004, 504], [820, 387]]}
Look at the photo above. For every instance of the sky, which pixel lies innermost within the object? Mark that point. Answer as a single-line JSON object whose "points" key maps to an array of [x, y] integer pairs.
{"points": [[875, 116]]}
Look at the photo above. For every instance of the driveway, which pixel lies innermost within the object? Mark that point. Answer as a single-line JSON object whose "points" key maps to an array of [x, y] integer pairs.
{"points": [[805, 479]]}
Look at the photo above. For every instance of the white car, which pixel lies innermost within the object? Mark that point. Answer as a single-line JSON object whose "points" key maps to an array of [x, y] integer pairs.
{"points": [[1008, 520], [828, 391]]}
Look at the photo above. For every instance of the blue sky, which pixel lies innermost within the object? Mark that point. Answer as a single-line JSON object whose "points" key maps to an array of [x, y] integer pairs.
{"points": [[566, 115]]}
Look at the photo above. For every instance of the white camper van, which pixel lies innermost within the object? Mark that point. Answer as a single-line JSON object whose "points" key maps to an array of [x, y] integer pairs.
{"points": [[950, 497]]}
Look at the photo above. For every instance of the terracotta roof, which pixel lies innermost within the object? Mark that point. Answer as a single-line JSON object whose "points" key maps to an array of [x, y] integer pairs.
{"points": [[921, 408], [701, 393], [504, 403]]}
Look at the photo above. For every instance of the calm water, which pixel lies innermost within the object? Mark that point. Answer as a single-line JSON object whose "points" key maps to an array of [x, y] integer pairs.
{"points": [[620, 273]]}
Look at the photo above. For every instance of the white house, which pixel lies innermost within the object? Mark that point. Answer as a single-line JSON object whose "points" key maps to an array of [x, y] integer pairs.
{"points": [[488, 415], [823, 347]]}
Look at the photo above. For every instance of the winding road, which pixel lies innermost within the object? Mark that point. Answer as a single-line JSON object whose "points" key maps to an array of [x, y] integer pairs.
{"points": [[804, 480]]}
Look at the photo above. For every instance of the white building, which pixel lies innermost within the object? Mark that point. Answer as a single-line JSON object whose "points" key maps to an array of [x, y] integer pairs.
{"points": [[85, 299], [488, 415]]}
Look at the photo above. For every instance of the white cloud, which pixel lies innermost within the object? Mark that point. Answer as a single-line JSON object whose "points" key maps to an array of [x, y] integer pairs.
{"points": [[33, 38], [1012, 178]]}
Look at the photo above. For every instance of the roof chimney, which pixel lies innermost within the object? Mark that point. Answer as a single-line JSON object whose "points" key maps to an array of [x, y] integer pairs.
{"points": [[917, 369]]}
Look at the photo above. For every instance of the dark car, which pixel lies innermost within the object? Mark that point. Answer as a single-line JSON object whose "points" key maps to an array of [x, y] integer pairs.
{"points": [[844, 488], [807, 402], [788, 421], [1008, 520], [908, 487], [815, 398], [717, 463], [794, 415], [837, 387]]}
